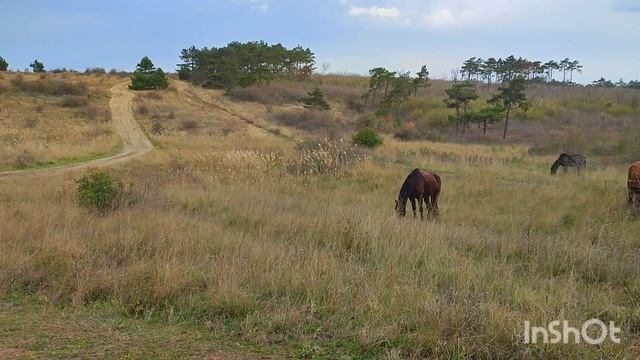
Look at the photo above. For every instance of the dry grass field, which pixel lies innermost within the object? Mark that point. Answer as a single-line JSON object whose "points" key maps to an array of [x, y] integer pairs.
{"points": [[53, 119], [243, 240]]}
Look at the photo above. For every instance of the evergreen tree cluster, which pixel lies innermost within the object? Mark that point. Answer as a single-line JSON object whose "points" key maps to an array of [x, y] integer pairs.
{"points": [[147, 77], [511, 94], [392, 88], [244, 64], [498, 70]]}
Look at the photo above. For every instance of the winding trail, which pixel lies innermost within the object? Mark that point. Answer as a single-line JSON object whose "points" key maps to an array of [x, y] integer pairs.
{"points": [[135, 142]]}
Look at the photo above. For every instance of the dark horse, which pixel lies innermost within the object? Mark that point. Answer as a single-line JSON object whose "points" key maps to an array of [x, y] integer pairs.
{"points": [[569, 160], [633, 184], [422, 186]]}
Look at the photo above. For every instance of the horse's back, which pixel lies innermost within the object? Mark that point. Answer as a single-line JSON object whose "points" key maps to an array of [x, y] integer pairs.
{"points": [[433, 183]]}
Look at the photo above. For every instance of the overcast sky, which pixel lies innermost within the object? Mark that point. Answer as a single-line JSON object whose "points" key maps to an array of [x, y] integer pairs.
{"points": [[351, 35]]}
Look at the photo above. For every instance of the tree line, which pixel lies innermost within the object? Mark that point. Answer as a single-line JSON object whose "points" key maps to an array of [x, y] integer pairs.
{"points": [[244, 64], [602, 82], [390, 89], [494, 70]]}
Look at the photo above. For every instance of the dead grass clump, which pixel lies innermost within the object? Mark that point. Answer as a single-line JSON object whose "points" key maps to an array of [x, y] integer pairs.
{"points": [[23, 160], [277, 93], [88, 112], [324, 157], [95, 70], [73, 102], [157, 127], [142, 109], [46, 86], [31, 122], [310, 120], [153, 95], [189, 125]]}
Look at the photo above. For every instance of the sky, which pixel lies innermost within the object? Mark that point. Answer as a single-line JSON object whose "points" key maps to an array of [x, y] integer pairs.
{"points": [[352, 36]]}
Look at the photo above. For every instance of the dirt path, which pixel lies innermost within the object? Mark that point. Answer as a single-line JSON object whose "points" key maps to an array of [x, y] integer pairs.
{"points": [[134, 141]]}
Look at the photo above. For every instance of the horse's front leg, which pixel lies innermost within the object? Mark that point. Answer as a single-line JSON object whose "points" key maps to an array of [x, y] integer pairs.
{"points": [[413, 206]]}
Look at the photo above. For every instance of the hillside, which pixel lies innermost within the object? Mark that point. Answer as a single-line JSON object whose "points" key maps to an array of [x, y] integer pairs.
{"points": [[53, 119], [252, 230]]}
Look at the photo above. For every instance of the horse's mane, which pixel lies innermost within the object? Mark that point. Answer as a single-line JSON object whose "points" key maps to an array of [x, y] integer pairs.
{"points": [[409, 183]]}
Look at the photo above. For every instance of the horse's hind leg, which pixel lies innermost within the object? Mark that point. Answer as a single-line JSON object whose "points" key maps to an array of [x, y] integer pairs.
{"points": [[420, 201], [433, 208], [413, 206]]}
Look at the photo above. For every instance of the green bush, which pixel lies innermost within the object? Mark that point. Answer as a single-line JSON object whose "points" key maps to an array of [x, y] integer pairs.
{"points": [[99, 191], [367, 137]]}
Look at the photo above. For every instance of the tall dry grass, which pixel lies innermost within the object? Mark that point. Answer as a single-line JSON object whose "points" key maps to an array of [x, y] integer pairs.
{"points": [[320, 263]]}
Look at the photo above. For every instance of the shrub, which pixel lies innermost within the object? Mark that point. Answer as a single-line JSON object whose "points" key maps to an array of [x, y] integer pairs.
{"points": [[99, 191], [367, 137]]}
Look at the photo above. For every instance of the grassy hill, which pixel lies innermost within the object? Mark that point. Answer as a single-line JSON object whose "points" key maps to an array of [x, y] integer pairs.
{"points": [[54, 118], [248, 234]]}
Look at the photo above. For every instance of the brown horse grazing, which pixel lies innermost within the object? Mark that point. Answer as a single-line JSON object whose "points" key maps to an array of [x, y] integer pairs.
{"points": [[422, 186], [633, 184]]}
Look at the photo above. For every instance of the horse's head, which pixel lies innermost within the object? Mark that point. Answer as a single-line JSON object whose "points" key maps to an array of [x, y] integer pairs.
{"points": [[401, 210]]}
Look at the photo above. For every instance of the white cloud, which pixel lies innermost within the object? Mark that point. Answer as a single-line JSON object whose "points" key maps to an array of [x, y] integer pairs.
{"points": [[375, 11], [258, 5], [448, 14]]}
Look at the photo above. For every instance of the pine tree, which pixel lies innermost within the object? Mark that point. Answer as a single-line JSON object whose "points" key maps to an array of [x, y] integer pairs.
{"points": [[4, 65], [147, 77], [316, 100], [37, 66], [459, 97], [509, 96]]}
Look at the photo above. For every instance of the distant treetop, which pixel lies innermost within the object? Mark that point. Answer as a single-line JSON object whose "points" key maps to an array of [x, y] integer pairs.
{"points": [[244, 64]]}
